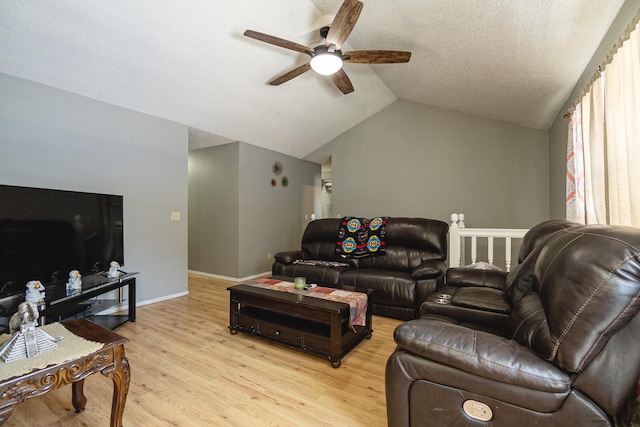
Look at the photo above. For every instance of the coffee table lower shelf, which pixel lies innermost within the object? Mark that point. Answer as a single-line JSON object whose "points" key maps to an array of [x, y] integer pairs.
{"points": [[313, 325]]}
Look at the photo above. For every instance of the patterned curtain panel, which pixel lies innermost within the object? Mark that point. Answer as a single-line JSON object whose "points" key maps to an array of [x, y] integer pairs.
{"points": [[576, 210]]}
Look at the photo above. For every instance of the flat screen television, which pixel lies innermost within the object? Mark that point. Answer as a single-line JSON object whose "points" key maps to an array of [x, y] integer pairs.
{"points": [[44, 234]]}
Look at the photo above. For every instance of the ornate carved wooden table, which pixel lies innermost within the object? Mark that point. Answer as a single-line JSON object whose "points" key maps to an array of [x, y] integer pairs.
{"points": [[110, 361]]}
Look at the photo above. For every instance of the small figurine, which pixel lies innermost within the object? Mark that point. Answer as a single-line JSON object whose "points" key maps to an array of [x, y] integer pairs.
{"points": [[27, 340], [113, 272], [75, 280], [35, 292], [27, 313]]}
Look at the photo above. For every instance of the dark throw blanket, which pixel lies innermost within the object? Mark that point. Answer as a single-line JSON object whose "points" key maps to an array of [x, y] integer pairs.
{"points": [[361, 237]]}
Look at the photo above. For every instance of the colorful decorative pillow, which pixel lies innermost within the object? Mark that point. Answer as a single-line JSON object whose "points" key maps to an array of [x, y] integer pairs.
{"points": [[361, 237]]}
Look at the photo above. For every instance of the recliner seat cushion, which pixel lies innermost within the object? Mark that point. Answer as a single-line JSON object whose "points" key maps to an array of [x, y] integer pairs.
{"points": [[488, 356], [390, 287], [489, 311], [487, 299]]}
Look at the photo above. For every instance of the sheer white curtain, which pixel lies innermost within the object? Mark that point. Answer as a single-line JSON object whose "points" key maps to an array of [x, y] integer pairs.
{"points": [[604, 134], [622, 109], [595, 156]]}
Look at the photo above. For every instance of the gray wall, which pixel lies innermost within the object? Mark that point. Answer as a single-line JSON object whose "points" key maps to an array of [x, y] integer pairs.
{"points": [[558, 133], [214, 191], [236, 216], [54, 139], [415, 160]]}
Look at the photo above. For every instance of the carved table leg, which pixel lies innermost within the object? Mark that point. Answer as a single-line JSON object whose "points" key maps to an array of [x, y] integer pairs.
{"points": [[121, 376], [5, 413], [78, 398]]}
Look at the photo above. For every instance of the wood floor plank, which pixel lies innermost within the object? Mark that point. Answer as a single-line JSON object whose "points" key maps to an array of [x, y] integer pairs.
{"points": [[188, 370]]}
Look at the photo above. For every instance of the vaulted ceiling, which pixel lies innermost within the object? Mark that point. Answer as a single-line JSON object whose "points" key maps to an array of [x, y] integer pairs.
{"points": [[187, 61]]}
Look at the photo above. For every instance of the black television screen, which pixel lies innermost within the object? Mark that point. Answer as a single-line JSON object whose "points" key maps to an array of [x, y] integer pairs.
{"points": [[44, 234]]}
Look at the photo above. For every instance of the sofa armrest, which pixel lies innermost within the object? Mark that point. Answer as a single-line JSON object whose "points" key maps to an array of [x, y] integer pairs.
{"points": [[481, 354], [462, 277], [287, 257], [429, 269]]}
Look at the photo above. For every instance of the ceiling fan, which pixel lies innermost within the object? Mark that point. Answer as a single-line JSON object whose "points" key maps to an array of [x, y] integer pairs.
{"points": [[327, 59]]}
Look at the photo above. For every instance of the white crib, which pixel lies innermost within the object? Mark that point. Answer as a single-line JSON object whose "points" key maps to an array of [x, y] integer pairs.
{"points": [[507, 239]]}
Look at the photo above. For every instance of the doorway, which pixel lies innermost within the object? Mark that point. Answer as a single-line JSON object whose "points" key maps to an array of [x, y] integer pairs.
{"points": [[326, 190]]}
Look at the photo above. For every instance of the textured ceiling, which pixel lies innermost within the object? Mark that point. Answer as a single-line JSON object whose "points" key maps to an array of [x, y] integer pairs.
{"points": [[188, 61]]}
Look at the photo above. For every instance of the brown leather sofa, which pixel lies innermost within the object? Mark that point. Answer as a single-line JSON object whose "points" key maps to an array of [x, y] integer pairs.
{"points": [[568, 354], [412, 267]]}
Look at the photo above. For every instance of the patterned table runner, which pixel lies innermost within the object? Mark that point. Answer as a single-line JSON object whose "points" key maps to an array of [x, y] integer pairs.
{"points": [[357, 301], [70, 348]]}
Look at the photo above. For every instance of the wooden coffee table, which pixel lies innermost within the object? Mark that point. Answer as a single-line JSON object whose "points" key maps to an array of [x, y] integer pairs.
{"points": [[110, 361], [310, 324]]}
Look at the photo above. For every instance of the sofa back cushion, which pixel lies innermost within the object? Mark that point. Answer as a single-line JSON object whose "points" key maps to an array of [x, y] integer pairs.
{"points": [[586, 288], [319, 241], [409, 242]]}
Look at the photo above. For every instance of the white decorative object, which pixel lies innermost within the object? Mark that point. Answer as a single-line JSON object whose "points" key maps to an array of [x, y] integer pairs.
{"points": [[27, 339], [113, 272], [34, 292], [482, 265], [75, 280], [27, 312]]}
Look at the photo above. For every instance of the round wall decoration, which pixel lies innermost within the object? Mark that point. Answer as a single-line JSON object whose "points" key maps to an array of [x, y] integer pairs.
{"points": [[273, 182], [285, 181], [277, 168]]}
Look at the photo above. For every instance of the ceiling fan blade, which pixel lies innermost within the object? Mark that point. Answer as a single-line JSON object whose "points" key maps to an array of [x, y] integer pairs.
{"points": [[290, 74], [341, 80], [277, 41], [377, 56], [344, 22]]}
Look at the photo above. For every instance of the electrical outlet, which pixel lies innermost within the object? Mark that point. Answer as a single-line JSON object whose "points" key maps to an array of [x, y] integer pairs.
{"points": [[268, 255], [175, 216]]}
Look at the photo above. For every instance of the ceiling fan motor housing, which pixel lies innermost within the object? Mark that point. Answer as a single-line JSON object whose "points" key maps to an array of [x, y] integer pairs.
{"points": [[327, 49]]}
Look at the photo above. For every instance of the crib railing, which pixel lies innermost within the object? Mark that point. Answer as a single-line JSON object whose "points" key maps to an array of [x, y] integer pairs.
{"points": [[459, 236]]}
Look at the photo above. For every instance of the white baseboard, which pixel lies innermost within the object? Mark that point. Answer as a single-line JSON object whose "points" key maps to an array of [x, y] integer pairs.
{"points": [[164, 298], [125, 305], [232, 279]]}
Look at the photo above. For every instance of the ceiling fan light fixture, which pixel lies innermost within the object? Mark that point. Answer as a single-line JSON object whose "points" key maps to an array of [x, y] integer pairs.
{"points": [[326, 63]]}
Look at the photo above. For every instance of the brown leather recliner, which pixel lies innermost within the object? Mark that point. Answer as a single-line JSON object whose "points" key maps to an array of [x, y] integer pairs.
{"points": [[568, 356], [483, 298]]}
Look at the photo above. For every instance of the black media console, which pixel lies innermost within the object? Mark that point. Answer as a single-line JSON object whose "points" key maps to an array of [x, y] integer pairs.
{"points": [[99, 294]]}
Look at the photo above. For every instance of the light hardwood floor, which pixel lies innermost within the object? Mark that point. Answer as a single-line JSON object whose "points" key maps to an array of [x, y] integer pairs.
{"points": [[187, 370]]}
